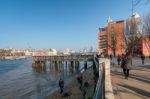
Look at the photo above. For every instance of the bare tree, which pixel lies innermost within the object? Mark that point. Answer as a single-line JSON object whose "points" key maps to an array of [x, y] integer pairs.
{"points": [[132, 36], [146, 24], [114, 41], [138, 34], [136, 2]]}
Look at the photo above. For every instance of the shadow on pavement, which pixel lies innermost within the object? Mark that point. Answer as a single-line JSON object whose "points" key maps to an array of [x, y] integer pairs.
{"points": [[137, 90], [147, 66], [136, 77]]}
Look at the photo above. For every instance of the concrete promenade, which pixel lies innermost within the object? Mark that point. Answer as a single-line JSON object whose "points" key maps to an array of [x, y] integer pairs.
{"points": [[137, 86]]}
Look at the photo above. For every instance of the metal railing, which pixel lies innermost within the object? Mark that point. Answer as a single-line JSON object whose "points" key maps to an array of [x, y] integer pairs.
{"points": [[100, 86]]}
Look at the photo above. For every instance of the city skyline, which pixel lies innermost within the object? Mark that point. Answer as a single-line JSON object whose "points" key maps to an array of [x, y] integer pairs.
{"points": [[59, 24]]}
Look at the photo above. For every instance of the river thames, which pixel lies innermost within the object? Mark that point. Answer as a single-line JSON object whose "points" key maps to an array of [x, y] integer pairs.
{"points": [[18, 80]]}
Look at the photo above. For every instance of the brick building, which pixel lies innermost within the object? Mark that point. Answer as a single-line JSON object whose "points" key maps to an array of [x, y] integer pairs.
{"points": [[146, 45], [111, 38]]}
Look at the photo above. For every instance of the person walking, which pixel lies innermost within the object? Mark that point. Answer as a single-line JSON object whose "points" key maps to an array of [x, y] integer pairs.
{"points": [[118, 59], [126, 64], [142, 58], [110, 56], [61, 85], [84, 93], [80, 80]]}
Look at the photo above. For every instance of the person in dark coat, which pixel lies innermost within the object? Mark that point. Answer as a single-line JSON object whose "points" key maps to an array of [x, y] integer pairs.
{"points": [[118, 60], [110, 56], [142, 58], [80, 80], [61, 85], [126, 64]]}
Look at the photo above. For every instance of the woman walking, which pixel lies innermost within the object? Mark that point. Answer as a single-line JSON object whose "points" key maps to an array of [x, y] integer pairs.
{"points": [[126, 64]]}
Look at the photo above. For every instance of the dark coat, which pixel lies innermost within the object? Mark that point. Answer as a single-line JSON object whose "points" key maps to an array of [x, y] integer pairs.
{"points": [[126, 62], [61, 83], [129, 63]]}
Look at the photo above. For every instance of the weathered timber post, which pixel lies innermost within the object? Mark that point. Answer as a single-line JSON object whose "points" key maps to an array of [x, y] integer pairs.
{"points": [[66, 65], [56, 65], [60, 64], [77, 65], [85, 64], [50, 63], [72, 66], [44, 65]]}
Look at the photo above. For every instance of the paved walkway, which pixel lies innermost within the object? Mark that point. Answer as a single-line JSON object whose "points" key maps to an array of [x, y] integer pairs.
{"points": [[136, 87]]}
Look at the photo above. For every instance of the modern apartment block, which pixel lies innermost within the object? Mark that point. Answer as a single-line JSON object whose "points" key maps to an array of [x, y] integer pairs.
{"points": [[102, 40], [111, 38]]}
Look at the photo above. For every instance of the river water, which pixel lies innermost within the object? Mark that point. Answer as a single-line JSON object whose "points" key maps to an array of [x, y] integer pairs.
{"points": [[18, 80]]}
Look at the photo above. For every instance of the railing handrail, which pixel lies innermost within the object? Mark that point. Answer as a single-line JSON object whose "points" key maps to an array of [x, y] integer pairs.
{"points": [[100, 86]]}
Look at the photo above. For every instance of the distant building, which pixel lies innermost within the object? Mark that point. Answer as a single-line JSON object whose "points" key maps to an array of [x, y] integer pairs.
{"points": [[28, 53], [111, 38], [66, 52], [143, 46], [146, 45], [102, 40], [52, 52], [133, 26]]}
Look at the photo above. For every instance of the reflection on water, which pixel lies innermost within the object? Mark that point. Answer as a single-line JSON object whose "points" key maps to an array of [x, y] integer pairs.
{"points": [[18, 80]]}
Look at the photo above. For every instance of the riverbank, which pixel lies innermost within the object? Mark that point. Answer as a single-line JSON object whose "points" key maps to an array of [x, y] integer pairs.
{"points": [[73, 87]]}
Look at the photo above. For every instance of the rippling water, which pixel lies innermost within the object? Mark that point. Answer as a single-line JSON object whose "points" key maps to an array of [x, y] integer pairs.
{"points": [[18, 80]]}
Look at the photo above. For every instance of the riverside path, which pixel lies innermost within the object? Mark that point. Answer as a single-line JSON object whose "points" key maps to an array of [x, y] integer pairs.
{"points": [[138, 84]]}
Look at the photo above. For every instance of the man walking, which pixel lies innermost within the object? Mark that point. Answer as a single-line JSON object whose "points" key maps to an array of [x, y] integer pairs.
{"points": [[118, 60], [142, 58], [61, 85]]}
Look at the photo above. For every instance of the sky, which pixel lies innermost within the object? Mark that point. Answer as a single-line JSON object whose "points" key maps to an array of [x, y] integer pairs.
{"points": [[59, 24]]}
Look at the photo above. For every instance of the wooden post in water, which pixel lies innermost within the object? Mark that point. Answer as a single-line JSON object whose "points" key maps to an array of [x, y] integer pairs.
{"points": [[60, 64], [50, 63], [85, 64], [56, 65], [72, 66], [78, 64], [66, 65], [44, 65]]}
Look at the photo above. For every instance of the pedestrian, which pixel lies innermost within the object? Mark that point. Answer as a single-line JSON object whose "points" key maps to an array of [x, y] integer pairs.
{"points": [[118, 59], [80, 80], [61, 85], [110, 56], [126, 64], [83, 93], [142, 58]]}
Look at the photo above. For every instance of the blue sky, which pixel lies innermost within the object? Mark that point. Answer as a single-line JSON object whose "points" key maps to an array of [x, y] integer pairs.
{"points": [[60, 24]]}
